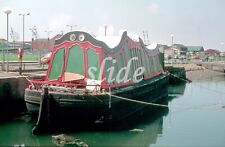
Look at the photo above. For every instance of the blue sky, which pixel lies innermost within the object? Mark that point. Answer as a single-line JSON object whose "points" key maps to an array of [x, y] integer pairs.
{"points": [[193, 22]]}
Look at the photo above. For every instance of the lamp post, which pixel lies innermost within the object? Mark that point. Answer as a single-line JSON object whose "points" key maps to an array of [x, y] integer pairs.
{"points": [[71, 27], [48, 33], [7, 12], [34, 36], [105, 28], [23, 15], [222, 50], [171, 39]]}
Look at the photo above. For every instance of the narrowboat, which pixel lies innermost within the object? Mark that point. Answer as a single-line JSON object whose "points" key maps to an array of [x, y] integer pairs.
{"points": [[99, 79]]}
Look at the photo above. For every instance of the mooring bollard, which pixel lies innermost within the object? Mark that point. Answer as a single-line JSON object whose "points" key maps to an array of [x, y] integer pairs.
{"points": [[20, 70]]}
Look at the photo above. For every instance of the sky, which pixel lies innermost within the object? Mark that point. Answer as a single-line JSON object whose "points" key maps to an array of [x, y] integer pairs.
{"points": [[192, 22]]}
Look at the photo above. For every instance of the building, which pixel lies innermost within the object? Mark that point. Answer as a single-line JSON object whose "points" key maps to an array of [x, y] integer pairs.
{"points": [[44, 44], [195, 48], [175, 51], [13, 46], [212, 54], [222, 54], [193, 52]]}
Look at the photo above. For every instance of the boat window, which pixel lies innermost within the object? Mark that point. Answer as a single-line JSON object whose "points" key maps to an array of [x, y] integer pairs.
{"points": [[144, 64], [115, 72], [153, 64], [110, 71], [139, 61], [128, 57], [147, 65], [138, 58], [75, 64], [106, 67], [135, 61], [158, 63], [161, 60], [57, 64], [120, 65], [141, 58], [132, 62], [93, 62], [148, 59]]}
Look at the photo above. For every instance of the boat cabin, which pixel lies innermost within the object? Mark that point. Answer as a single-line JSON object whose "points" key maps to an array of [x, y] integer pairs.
{"points": [[79, 58]]}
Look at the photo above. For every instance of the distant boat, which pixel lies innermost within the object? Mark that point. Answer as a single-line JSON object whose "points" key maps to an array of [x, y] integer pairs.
{"points": [[88, 81]]}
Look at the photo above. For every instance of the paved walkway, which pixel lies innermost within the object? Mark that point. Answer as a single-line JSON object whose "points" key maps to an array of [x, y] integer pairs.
{"points": [[4, 74]]}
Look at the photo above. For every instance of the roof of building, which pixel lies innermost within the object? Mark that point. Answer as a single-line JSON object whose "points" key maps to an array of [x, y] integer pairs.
{"points": [[181, 47], [195, 48], [212, 51], [44, 43]]}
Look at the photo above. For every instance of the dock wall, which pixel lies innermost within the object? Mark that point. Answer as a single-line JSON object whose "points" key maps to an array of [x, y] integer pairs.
{"points": [[12, 96], [220, 67]]}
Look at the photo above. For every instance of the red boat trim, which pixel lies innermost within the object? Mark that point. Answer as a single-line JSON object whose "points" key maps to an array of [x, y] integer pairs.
{"points": [[103, 86]]}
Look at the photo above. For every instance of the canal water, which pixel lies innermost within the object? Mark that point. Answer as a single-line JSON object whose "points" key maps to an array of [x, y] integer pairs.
{"points": [[196, 117]]}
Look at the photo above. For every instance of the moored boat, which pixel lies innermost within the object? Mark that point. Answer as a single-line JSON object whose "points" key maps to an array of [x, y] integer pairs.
{"points": [[91, 82]]}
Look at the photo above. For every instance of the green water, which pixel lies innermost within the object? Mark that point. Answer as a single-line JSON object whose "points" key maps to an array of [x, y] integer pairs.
{"points": [[195, 118]]}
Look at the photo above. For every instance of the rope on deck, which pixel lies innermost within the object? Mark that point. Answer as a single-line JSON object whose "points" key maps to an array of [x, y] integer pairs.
{"points": [[140, 102]]}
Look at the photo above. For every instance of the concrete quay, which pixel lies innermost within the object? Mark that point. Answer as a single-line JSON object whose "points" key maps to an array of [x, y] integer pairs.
{"points": [[216, 66], [12, 87], [200, 70]]}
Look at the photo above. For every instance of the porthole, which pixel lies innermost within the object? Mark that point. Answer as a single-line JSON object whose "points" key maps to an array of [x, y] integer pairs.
{"points": [[72, 37], [81, 37]]}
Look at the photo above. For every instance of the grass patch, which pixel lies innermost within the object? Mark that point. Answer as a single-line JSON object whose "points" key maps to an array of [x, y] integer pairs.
{"points": [[26, 57]]}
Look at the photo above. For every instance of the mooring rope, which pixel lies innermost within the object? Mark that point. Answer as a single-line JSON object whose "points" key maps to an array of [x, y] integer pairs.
{"points": [[155, 104], [140, 102], [161, 105], [26, 77]]}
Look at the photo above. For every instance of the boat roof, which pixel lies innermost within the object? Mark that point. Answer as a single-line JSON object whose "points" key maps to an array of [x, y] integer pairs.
{"points": [[107, 42], [113, 41], [152, 46]]}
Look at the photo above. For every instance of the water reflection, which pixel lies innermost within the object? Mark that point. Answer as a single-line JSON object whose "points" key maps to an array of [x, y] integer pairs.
{"points": [[176, 90], [141, 131], [196, 118], [17, 132], [185, 123]]}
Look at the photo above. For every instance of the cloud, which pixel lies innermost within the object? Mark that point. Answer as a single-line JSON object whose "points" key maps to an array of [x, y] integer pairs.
{"points": [[153, 8], [59, 22]]}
